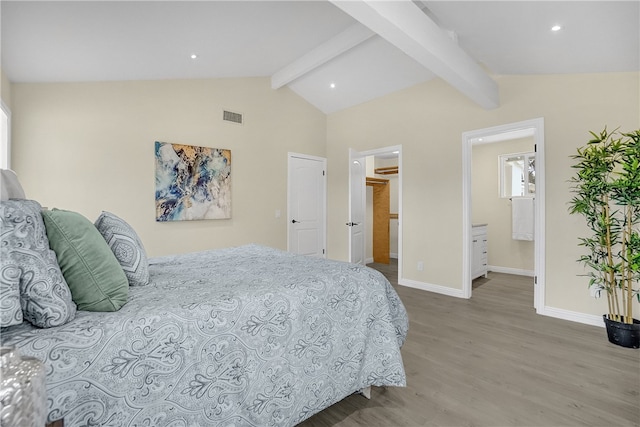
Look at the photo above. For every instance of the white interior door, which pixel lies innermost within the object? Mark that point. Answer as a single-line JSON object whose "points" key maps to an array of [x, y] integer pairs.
{"points": [[357, 207], [306, 216]]}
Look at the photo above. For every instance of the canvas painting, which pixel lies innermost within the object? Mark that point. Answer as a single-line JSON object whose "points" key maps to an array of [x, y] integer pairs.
{"points": [[192, 183]]}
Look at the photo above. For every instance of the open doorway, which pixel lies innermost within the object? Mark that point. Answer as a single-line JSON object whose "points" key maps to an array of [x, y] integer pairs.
{"points": [[533, 129], [382, 209], [503, 191], [376, 191]]}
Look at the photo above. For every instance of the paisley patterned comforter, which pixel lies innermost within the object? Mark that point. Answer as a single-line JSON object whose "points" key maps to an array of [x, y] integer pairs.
{"points": [[246, 336]]}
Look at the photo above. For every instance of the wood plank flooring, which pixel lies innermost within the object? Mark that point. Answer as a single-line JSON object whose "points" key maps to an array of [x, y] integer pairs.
{"points": [[491, 361]]}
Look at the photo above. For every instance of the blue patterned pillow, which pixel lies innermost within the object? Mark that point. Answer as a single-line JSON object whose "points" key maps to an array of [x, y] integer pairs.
{"points": [[126, 246], [45, 298]]}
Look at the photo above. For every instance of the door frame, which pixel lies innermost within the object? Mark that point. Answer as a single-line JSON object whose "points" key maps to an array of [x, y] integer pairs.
{"points": [[5, 145], [354, 154], [355, 157], [535, 128], [323, 202]]}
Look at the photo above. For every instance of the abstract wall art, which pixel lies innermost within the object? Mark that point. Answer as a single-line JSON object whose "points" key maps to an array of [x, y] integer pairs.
{"points": [[192, 183]]}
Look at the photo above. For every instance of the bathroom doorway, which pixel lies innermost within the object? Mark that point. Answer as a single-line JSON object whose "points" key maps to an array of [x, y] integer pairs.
{"points": [[535, 130], [502, 200]]}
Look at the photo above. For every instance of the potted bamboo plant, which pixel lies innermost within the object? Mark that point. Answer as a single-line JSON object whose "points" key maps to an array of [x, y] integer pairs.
{"points": [[606, 190]]}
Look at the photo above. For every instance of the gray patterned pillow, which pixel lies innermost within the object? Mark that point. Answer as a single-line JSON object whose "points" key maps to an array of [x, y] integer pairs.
{"points": [[10, 310], [127, 247], [45, 298]]}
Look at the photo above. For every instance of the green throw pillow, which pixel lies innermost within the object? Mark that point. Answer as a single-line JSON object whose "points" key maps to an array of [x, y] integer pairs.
{"points": [[95, 278]]}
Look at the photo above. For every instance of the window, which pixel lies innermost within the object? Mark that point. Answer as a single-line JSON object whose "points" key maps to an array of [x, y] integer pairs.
{"points": [[517, 175], [5, 137]]}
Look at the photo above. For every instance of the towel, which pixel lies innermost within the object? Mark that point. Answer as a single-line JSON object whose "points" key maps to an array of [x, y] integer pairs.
{"points": [[522, 219]]}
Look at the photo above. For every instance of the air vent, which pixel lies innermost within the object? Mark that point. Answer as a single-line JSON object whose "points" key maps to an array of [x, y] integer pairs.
{"points": [[230, 116]]}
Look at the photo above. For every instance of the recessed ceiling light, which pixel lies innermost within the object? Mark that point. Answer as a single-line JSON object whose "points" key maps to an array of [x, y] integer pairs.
{"points": [[194, 56], [556, 28], [332, 85], [396, 152]]}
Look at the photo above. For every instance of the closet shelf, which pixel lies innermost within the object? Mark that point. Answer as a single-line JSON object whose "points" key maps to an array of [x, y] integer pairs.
{"points": [[390, 170], [377, 181]]}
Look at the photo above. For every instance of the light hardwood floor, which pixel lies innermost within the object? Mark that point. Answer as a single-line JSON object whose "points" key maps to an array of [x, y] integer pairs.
{"points": [[491, 361]]}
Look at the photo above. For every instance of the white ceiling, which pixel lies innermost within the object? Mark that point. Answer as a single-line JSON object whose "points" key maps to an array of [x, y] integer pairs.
{"points": [[366, 48]]}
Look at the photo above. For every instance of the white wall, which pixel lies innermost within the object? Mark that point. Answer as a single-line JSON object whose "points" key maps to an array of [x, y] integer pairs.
{"points": [[429, 119], [89, 147], [488, 207]]}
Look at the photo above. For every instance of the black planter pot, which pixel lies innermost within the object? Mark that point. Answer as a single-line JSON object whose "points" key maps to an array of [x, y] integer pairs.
{"points": [[623, 334]]}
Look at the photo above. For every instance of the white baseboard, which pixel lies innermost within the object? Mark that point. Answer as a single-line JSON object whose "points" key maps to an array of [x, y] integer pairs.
{"points": [[573, 316], [509, 270], [438, 289], [393, 255]]}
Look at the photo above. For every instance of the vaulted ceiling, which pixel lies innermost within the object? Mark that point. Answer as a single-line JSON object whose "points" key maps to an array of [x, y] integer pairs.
{"points": [[335, 54]]}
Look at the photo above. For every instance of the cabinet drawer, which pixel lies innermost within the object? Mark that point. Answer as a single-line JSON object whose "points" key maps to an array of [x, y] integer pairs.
{"points": [[480, 243]]}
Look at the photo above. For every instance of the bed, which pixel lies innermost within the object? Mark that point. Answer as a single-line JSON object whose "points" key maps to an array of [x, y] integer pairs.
{"points": [[242, 336]]}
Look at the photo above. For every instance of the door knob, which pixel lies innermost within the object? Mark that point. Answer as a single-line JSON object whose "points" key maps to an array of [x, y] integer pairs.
{"points": [[293, 221]]}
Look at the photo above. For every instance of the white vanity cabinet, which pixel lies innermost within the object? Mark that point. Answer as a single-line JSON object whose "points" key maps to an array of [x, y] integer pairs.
{"points": [[479, 251]]}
